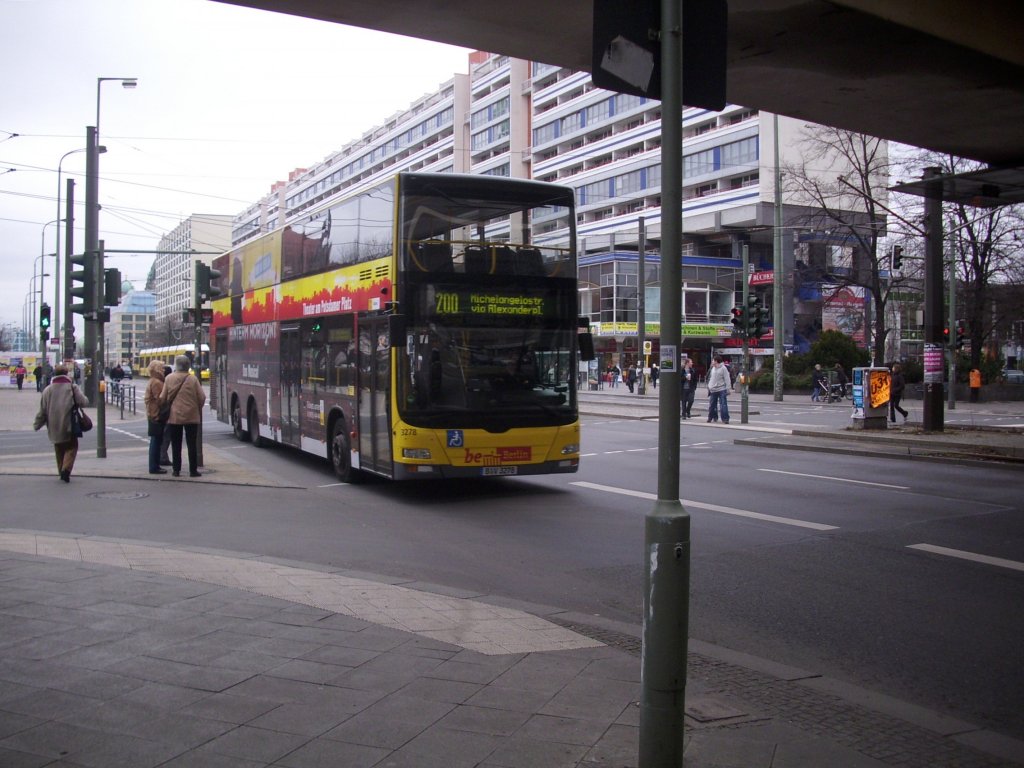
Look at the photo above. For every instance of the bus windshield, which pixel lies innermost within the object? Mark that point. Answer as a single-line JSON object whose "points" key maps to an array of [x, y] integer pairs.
{"points": [[490, 306]]}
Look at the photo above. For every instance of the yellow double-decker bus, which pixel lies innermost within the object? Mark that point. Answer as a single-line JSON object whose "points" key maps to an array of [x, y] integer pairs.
{"points": [[168, 353], [426, 327]]}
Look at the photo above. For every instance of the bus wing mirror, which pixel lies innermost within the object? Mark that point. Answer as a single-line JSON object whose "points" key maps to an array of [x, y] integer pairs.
{"points": [[397, 326], [586, 342]]}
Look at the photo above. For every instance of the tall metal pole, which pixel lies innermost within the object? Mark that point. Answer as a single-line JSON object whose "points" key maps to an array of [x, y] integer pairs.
{"points": [[778, 320], [58, 297], [745, 369], [641, 306], [666, 603], [98, 362], [92, 240], [933, 272], [951, 400], [69, 249]]}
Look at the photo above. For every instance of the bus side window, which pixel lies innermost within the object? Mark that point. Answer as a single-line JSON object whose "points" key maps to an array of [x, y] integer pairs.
{"points": [[341, 372]]}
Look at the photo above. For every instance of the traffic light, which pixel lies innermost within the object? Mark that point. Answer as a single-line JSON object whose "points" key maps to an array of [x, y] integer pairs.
{"points": [[756, 316], [205, 290], [761, 322], [897, 258], [739, 321], [111, 287], [961, 333], [83, 282], [44, 317], [945, 335]]}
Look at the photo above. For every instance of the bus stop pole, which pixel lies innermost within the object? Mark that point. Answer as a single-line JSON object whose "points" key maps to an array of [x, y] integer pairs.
{"points": [[667, 526], [745, 367]]}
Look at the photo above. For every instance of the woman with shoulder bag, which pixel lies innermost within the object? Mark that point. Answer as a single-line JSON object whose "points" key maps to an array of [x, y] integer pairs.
{"points": [[59, 398], [185, 396], [156, 419]]}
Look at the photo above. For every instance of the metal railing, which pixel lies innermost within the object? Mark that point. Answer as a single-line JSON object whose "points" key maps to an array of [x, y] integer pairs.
{"points": [[122, 396]]}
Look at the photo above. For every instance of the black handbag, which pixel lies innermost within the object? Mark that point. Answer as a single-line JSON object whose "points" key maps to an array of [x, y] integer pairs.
{"points": [[80, 421]]}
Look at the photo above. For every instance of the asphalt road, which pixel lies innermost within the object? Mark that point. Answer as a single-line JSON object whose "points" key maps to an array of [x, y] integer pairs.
{"points": [[807, 559]]}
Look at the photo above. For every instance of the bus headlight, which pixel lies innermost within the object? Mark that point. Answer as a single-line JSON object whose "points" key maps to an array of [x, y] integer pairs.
{"points": [[422, 454], [571, 448]]}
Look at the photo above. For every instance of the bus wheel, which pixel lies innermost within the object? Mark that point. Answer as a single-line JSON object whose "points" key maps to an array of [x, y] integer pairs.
{"points": [[341, 455], [236, 423], [254, 428]]}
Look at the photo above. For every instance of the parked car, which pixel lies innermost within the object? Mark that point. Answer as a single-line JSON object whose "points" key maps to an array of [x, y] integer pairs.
{"points": [[1012, 376]]}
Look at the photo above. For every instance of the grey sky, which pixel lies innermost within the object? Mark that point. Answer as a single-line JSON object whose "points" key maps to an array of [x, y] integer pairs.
{"points": [[229, 101]]}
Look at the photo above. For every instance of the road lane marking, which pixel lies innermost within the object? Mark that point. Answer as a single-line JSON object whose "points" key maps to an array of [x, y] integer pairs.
{"points": [[836, 479], [711, 507], [962, 555]]}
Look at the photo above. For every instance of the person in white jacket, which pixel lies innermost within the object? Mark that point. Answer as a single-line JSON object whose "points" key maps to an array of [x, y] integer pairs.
{"points": [[718, 382]]}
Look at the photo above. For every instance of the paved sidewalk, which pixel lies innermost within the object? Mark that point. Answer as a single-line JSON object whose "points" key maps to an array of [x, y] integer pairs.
{"points": [[137, 653]]}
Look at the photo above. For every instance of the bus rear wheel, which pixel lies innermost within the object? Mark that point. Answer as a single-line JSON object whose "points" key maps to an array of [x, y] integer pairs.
{"points": [[341, 453], [236, 423], [254, 428]]}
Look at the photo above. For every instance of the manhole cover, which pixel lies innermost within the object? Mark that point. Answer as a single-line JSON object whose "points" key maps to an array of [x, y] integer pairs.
{"points": [[119, 495]]}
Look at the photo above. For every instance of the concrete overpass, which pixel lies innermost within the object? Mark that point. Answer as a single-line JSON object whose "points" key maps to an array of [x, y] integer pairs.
{"points": [[947, 75]]}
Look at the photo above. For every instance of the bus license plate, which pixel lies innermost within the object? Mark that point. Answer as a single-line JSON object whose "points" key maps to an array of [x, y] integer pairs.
{"points": [[491, 471]]}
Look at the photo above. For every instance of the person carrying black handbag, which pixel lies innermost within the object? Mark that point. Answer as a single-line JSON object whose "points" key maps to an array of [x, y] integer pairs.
{"points": [[59, 398]]}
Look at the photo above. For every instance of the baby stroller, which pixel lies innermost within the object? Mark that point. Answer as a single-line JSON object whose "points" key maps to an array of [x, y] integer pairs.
{"points": [[835, 390]]}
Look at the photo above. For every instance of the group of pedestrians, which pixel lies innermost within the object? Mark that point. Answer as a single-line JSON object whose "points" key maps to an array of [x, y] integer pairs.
{"points": [[174, 402]]}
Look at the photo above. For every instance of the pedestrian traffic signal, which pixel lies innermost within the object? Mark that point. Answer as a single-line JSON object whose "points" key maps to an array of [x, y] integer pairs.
{"points": [[739, 321], [897, 258], [945, 335], [111, 287], [961, 333], [205, 289], [44, 316], [83, 282]]}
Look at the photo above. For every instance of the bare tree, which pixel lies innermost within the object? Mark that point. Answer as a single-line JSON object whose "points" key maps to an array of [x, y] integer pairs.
{"points": [[840, 180], [985, 244]]}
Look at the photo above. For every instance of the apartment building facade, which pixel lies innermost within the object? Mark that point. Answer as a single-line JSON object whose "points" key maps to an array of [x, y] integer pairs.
{"points": [[520, 119], [200, 237]]}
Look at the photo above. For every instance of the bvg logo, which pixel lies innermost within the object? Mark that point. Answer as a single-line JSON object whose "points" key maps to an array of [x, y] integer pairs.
{"points": [[514, 455]]}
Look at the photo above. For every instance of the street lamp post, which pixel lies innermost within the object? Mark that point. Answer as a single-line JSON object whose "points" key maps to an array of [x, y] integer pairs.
{"points": [[58, 300], [94, 329]]}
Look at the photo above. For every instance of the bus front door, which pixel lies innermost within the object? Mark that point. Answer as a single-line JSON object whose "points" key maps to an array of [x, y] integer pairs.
{"points": [[291, 367], [219, 385], [373, 409]]}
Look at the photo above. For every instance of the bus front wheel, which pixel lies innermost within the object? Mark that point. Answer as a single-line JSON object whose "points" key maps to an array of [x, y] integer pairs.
{"points": [[341, 453]]}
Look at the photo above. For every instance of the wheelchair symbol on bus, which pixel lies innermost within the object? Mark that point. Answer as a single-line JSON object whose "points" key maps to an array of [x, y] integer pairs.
{"points": [[455, 438]]}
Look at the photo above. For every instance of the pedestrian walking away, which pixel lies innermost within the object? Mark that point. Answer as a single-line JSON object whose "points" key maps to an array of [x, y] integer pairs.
{"points": [[841, 379], [655, 373], [718, 391], [897, 385], [688, 387], [37, 374], [185, 395], [153, 415], [820, 383], [59, 398], [631, 377]]}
